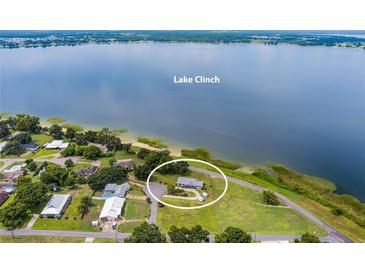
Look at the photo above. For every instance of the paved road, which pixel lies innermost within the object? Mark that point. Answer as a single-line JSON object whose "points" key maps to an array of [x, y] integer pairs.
{"points": [[333, 235], [58, 161], [64, 233]]}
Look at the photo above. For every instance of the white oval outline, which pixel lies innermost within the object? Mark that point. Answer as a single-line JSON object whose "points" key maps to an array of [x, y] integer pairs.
{"points": [[187, 207]]}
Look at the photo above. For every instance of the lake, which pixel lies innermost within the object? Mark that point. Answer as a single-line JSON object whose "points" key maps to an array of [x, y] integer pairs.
{"points": [[303, 107]]}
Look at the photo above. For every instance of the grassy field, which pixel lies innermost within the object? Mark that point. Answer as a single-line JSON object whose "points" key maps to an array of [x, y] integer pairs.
{"points": [[41, 139], [104, 241], [40, 239], [1, 163], [340, 223], [71, 219], [73, 126], [120, 155], [240, 207], [135, 190], [128, 227], [136, 209], [55, 120], [44, 152]]}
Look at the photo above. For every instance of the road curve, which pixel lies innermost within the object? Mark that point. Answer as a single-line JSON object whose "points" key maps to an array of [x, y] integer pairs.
{"points": [[333, 235]]}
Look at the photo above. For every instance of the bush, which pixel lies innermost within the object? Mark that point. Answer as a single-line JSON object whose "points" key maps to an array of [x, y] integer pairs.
{"points": [[270, 198]]}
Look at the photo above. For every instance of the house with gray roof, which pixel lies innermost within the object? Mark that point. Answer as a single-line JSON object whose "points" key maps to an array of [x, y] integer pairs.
{"points": [[30, 147], [56, 206], [127, 164], [189, 182], [116, 190], [87, 171]]}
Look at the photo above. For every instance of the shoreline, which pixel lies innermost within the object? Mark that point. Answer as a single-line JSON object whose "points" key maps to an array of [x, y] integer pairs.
{"points": [[175, 149]]}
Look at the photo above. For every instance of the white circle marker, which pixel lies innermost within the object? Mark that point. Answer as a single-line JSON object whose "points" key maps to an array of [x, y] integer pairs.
{"points": [[187, 207]]}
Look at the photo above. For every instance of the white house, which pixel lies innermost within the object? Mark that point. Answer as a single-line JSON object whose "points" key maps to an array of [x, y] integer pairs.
{"points": [[56, 144], [112, 209], [16, 168], [56, 206], [2, 145]]}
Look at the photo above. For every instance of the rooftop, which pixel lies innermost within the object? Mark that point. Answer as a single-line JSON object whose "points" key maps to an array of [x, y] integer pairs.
{"points": [[189, 182], [112, 208], [55, 204]]}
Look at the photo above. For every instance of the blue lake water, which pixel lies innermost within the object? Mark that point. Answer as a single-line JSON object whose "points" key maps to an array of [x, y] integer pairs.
{"points": [[303, 107]]}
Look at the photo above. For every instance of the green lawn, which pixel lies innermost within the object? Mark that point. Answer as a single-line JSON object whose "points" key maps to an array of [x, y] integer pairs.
{"points": [[104, 240], [55, 120], [40, 239], [71, 219], [41, 139], [120, 155], [78, 166], [1, 163], [239, 208], [128, 227], [136, 209], [73, 126], [135, 190], [44, 152]]}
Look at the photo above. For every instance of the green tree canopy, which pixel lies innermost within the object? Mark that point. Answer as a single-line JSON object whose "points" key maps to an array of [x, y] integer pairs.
{"points": [[146, 233], [233, 235]]}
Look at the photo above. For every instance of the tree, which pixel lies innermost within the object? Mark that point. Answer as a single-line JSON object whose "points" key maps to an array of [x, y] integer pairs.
{"points": [[184, 235], [4, 129], [91, 136], [54, 175], [270, 198], [13, 215], [146, 233], [56, 131], [92, 152], [107, 175], [233, 235], [13, 148], [141, 172], [84, 205], [69, 163], [80, 139], [31, 194], [70, 150], [70, 133], [307, 238], [24, 122], [22, 138], [32, 166], [143, 152]]}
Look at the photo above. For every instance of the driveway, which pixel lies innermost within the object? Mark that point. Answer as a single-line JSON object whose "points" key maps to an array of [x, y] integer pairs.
{"points": [[158, 190]]}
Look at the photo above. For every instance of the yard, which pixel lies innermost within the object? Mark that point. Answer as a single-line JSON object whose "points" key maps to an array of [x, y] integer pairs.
{"points": [[240, 207], [120, 155], [136, 209], [71, 219], [44, 152], [40, 239], [41, 139], [128, 227]]}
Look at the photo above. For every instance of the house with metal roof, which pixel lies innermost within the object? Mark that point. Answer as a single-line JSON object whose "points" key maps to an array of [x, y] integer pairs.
{"points": [[116, 190], [2, 145], [56, 206], [3, 196], [87, 171], [30, 147], [125, 163], [189, 182], [11, 176], [112, 209], [56, 144]]}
